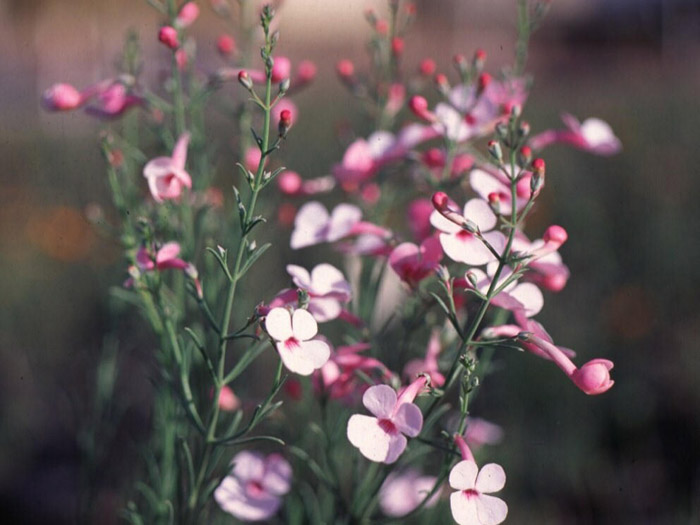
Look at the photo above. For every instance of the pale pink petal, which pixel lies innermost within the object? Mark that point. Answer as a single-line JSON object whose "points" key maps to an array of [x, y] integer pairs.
{"points": [[529, 296], [491, 510], [379, 142], [304, 357], [358, 156], [439, 222], [478, 211], [325, 309], [309, 225], [397, 444], [597, 132], [232, 497], [380, 400], [158, 167], [183, 177], [364, 433], [343, 218], [300, 276], [451, 123], [485, 183], [465, 248], [463, 475], [408, 419], [491, 478], [464, 508], [571, 122], [304, 325], [278, 324], [168, 251], [462, 96], [248, 466], [328, 279], [180, 151], [278, 475]]}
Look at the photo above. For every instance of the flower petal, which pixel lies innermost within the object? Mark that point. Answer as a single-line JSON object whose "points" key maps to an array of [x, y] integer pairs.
{"points": [[304, 326], [491, 510], [491, 478], [463, 475], [326, 279], [464, 509], [364, 433], [304, 357], [397, 444], [324, 309], [180, 151], [278, 475], [300, 276], [343, 218], [309, 225], [380, 400], [530, 297], [248, 466], [278, 324], [478, 211], [408, 419]]}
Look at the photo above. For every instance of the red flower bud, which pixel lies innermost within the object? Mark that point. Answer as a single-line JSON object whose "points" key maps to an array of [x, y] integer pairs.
{"points": [[168, 36]]}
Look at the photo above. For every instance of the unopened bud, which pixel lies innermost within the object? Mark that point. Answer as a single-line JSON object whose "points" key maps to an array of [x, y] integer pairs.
{"points": [[495, 150], [306, 72], [244, 80], [523, 129], [284, 86], [442, 84], [168, 36], [525, 156], [302, 298], [285, 122], [382, 27], [483, 82], [440, 201], [419, 106], [187, 15], [479, 59], [472, 278], [427, 67], [495, 202], [345, 69], [538, 173], [460, 62], [443, 273], [515, 111], [397, 45], [555, 234], [225, 45]]}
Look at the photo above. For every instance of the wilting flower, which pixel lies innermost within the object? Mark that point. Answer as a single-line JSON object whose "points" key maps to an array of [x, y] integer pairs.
{"points": [[166, 175], [382, 438], [401, 493], [253, 490], [292, 334]]}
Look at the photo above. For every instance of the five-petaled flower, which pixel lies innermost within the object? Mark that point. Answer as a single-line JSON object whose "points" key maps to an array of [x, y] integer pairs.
{"points": [[292, 334], [253, 490]]}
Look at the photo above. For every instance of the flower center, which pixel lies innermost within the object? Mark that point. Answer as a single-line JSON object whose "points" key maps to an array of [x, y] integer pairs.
{"points": [[292, 344], [387, 426], [470, 493], [254, 488], [464, 235]]}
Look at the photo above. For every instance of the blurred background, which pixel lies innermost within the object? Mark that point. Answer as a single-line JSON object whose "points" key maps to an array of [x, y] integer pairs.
{"points": [[630, 456]]}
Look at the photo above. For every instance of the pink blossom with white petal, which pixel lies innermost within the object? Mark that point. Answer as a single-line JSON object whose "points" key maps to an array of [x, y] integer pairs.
{"points": [[520, 298], [546, 268], [401, 493], [166, 176], [463, 246], [293, 335], [383, 438], [362, 159], [327, 289], [314, 225], [253, 490], [471, 504]]}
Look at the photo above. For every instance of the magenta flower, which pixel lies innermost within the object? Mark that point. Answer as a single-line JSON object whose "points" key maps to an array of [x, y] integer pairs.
{"points": [[166, 257], [471, 504], [546, 267], [401, 493], [314, 225], [520, 298], [112, 102], [166, 176], [253, 490], [363, 158], [62, 97], [592, 135], [327, 289], [187, 15], [292, 334], [414, 263], [429, 365], [592, 378], [462, 246], [383, 438]]}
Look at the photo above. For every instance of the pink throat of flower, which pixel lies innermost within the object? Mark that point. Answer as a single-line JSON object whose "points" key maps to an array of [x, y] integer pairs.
{"points": [[464, 235], [388, 426], [254, 488], [291, 344], [470, 493]]}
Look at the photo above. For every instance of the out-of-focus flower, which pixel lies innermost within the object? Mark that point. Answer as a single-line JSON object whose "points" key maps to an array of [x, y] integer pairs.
{"points": [[403, 492], [313, 224], [414, 263], [292, 334], [166, 176], [592, 135], [485, 183], [228, 401], [167, 35], [381, 438], [187, 15], [429, 365], [166, 257], [327, 289], [225, 45], [253, 490]]}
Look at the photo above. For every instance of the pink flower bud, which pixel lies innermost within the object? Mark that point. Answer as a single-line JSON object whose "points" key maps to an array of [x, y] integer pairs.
{"points": [[538, 165], [434, 158], [556, 235], [285, 122], [525, 155], [187, 15], [306, 72], [419, 106], [228, 401], [440, 201], [460, 62], [281, 69], [168, 36], [370, 193], [289, 182], [397, 45], [345, 69], [427, 67], [594, 377], [244, 79], [483, 82], [62, 97], [382, 27], [181, 59], [225, 45]]}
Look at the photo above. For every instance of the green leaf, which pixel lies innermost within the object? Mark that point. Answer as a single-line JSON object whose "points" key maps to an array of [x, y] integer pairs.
{"points": [[251, 259]]}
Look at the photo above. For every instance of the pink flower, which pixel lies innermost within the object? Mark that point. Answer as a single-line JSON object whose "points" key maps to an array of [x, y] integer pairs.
{"points": [[401, 493], [463, 246], [485, 183], [546, 266], [527, 325], [362, 159], [292, 334], [592, 378], [520, 298], [112, 101], [187, 15], [327, 289], [592, 135], [168, 37], [418, 214], [414, 263], [429, 365], [228, 401], [62, 97], [253, 490], [225, 45], [166, 175], [382, 438], [471, 504], [166, 257], [481, 432], [313, 224], [282, 105]]}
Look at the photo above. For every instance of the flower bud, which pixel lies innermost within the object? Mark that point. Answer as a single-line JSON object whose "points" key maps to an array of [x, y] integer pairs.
{"points": [[289, 182], [181, 59], [460, 62], [284, 86], [285, 122], [495, 202], [479, 59], [168, 37], [62, 97], [442, 84], [306, 72], [556, 235], [427, 67], [225, 45], [538, 172], [523, 129], [440, 201], [483, 82], [419, 106], [495, 150], [471, 277], [245, 80], [381, 27], [187, 15], [345, 69], [397, 45], [525, 156], [502, 130]]}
